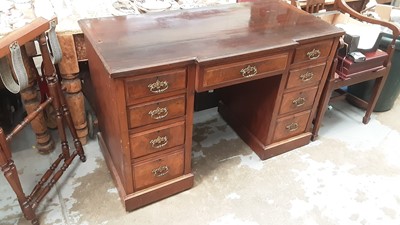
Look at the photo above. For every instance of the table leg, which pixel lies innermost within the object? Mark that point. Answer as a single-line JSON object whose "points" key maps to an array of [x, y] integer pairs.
{"points": [[31, 99], [69, 71]]}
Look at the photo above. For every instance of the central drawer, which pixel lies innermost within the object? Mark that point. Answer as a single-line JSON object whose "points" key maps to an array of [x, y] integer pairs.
{"points": [[156, 111], [227, 74]]}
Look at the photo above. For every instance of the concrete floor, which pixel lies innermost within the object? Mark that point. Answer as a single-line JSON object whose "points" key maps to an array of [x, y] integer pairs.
{"points": [[351, 175]]}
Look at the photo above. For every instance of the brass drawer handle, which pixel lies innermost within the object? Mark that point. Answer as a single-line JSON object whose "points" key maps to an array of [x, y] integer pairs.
{"points": [[159, 142], [314, 54], [158, 113], [292, 126], [299, 101], [158, 86], [249, 71], [306, 76], [160, 171]]}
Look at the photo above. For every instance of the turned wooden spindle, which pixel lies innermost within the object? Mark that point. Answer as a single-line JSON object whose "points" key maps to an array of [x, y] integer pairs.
{"points": [[69, 71], [31, 116], [31, 99], [10, 173], [59, 102]]}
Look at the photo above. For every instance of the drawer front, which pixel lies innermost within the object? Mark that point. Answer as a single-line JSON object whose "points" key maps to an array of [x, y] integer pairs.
{"points": [[155, 84], [290, 126], [158, 170], [156, 111], [157, 139], [305, 76], [224, 74], [298, 100], [312, 51]]}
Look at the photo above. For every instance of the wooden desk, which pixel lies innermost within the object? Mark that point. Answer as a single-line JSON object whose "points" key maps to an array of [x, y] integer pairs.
{"points": [[268, 60]]}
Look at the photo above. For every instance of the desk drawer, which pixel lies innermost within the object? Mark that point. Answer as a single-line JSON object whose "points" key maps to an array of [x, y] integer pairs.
{"points": [[312, 51], [154, 84], [158, 170], [290, 126], [305, 76], [152, 112], [222, 75], [157, 139], [298, 100]]}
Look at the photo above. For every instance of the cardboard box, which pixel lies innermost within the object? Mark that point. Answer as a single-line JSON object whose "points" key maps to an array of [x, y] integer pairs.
{"points": [[384, 11], [389, 13]]}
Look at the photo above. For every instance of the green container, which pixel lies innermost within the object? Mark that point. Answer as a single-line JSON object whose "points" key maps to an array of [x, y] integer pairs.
{"points": [[391, 89]]}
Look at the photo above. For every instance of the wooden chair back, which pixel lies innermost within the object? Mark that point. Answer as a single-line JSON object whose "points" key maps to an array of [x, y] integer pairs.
{"points": [[314, 6]]}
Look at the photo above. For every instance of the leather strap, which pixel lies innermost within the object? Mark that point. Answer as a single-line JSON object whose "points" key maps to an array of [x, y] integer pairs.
{"points": [[19, 70], [54, 44], [18, 64]]}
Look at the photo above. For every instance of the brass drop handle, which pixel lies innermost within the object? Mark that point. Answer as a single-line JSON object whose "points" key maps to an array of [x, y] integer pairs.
{"points": [[158, 86], [314, 54], [299, 101], [160, 171], [159, 113], [306, 76], [159, 142], [292, 126], [249, 71]]}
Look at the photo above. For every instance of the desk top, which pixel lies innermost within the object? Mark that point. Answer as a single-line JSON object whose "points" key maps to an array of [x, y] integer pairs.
{"points": [[130, 43]]}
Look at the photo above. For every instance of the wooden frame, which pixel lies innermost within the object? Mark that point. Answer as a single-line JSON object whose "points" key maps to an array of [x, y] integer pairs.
{"points": [[29, 203], [379, 75]]}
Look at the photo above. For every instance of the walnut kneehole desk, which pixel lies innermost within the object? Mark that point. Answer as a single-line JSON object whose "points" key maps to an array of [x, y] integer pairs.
{"points": [[267, 60]]}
